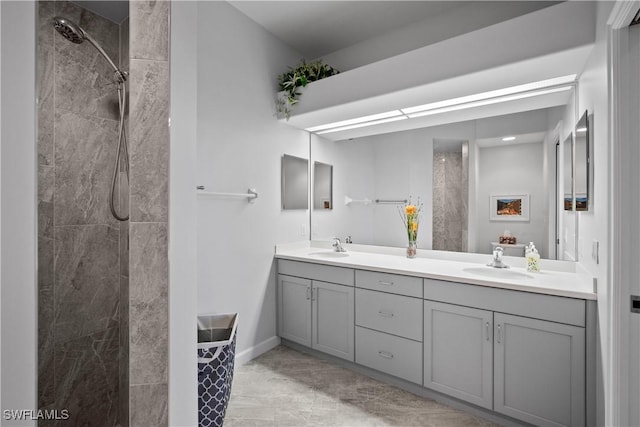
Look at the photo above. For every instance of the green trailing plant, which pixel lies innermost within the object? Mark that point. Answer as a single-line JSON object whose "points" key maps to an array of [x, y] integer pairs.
{"points": [[297, 77]]}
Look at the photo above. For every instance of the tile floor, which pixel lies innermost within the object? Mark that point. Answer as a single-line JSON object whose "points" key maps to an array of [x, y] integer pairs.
{"points": [[284, 387]]}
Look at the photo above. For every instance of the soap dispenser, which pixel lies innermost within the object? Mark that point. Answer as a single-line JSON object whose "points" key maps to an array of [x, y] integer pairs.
{"points": [[533, 258]]}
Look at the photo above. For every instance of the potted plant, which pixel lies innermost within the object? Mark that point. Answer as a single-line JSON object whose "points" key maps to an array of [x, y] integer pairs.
{"points": [[296, 78]]}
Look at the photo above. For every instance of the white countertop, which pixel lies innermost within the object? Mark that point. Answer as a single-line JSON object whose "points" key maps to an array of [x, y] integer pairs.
{"points": [[556, 278]]}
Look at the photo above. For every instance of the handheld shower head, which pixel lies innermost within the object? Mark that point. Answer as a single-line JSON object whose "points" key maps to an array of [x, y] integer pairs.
{"points": [[69, 30], [75, 34]]}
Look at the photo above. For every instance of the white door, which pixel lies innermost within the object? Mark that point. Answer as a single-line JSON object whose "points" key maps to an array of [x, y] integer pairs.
{"points": [[634, 284]]}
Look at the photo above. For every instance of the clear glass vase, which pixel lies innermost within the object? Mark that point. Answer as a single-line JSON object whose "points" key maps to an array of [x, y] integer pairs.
{"points": [[412, 249]]}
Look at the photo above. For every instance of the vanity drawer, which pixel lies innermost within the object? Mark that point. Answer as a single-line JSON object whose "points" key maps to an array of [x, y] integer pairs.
{"points": [[393, 314], [392, 283], [392, 355], [324, 273], [571, 311]]}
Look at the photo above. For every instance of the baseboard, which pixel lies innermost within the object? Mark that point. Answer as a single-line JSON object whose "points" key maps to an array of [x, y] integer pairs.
{"points": [[255, 351]]}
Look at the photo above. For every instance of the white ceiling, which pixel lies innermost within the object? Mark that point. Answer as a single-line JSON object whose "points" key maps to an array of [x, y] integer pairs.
{"points": [[317, 28]]}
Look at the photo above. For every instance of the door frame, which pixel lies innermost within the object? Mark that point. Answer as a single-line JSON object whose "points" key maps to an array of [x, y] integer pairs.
{"points": [[624, 229]]}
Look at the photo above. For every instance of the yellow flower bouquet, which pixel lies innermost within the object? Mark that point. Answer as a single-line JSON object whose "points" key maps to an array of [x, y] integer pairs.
{"points": [[410, 214]]}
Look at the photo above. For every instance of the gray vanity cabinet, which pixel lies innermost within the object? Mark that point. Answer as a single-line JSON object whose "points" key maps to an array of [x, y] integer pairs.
{"points": [[515, 364], [458, 352], [539, 371], [316, 313]]}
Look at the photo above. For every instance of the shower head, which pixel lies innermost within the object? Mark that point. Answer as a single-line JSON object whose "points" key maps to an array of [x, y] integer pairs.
{"points": [[69, 30], [74, 33]]}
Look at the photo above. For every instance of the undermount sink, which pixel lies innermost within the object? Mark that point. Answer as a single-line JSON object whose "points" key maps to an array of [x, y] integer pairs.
{"points": [[497, 273], [329, 254]]}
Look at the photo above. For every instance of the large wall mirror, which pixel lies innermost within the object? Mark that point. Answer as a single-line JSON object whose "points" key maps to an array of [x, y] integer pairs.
{"points": [[458, 170], [295, 182], [582, 163]]}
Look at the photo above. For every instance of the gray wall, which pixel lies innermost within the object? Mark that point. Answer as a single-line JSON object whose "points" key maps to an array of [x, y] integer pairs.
{"points": [[78, 239], [240, 144]]}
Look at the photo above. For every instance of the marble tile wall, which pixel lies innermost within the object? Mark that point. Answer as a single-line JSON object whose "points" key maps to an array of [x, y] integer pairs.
{"points": [[79, 271], [450, 200], [124, 251], [148, 228]]}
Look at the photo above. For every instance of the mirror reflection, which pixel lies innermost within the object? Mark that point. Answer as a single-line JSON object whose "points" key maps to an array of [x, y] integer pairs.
{"points": [[567, 181], [322, 186], [295, 182], [582, 161], [458, 171]]}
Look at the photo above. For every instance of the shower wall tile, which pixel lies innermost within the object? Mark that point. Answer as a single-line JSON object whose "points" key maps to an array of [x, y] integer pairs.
{"points": [[124, 45], [46, 391], [124, 352], [45, 79], [149, 141], [87, 280], [149, 405], [46, 12], [84, 87], [149, 28], [84, 156], [86, 370], [148, 299]]}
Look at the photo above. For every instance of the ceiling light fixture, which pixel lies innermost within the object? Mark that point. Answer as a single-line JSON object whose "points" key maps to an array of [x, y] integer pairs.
{"points": [[361, 125], [490, 101], [371, 118], [509, 138], [542, 84], [528, 90]]}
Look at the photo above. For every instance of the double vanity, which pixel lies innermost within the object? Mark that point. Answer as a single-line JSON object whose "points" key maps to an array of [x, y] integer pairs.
{"points": [[519, 344]]}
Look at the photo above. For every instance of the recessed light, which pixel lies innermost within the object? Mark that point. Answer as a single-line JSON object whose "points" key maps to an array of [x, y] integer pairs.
{"points": [[509, 138]]}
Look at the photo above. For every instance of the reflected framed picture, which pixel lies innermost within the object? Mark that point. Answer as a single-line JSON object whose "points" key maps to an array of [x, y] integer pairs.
{"points": [[509, 207]]}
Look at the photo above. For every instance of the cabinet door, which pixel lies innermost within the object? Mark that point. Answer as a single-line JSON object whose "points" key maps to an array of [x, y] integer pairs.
{"points": [[294, 309], [539, 371], [458, 352], [333, 319]]}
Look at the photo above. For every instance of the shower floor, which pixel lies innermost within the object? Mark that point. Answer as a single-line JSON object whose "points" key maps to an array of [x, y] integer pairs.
{"points": [[284, 387]]}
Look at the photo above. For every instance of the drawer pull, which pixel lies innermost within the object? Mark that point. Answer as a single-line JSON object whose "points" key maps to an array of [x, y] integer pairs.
{"points": [[385, 354], [385, 283], [499, 337], [387, 314], [487, 330]]}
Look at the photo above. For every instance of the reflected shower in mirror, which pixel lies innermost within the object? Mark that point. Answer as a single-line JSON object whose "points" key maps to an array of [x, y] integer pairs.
{"points": [[295, 182], [582, 163], [322, 186]]}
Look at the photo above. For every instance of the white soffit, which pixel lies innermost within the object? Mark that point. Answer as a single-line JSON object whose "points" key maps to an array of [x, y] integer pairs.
{"points": [[549, 43]]}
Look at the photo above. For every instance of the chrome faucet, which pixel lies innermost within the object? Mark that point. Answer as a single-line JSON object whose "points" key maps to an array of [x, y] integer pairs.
{"points": [[337, 245], [497, 258]]}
